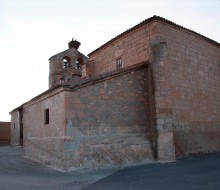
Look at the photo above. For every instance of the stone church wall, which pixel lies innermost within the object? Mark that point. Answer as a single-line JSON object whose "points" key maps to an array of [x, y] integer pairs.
{"points": [[167, 108], [44, 142], [188, 90], [104, 121], [185, 69], [108, 121]]}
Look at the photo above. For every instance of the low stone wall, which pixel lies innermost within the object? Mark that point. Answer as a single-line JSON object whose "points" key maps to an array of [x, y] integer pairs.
{"points": [[5, 133]]}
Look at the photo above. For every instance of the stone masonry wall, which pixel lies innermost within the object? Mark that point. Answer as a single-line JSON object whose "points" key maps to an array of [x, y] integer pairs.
{"points": [[108, 121], [142, 44], [5, 133], [188, 89], [44, 142]]}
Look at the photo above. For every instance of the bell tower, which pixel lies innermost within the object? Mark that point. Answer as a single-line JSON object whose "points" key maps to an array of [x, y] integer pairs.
{"points": [[65, 67]]}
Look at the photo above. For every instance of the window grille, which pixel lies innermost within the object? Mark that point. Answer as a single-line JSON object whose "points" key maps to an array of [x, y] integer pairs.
{"points": [[118, 63]]}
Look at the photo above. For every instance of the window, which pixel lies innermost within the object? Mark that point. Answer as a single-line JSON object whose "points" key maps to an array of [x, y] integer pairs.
{"points": [[61, 80], [79, 63], [118, 63], [66, 62], [46, 116]]}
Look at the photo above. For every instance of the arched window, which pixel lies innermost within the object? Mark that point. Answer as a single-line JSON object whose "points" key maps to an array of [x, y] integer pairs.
{"points": [[79, 63], [66, 62]]}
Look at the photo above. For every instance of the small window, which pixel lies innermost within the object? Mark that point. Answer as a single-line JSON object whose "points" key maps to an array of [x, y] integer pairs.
{"points": [[118, 63], [66, 62], [61, 80], [46, 116], [78, 66], [79, 63]]}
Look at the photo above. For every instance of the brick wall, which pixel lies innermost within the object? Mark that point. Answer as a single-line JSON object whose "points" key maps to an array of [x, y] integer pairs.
{"points": [[185, 70], [5, 133], [188, 89], [44, 142], [124, 116], [133, 48], [143, 44], [104, 121], [108, 121], [56, 66]]}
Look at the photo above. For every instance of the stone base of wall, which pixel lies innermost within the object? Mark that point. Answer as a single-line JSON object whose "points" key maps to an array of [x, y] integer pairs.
{"points": [[196, 142], [66, 153], [166, 149], [46, 150], [104, 151]]}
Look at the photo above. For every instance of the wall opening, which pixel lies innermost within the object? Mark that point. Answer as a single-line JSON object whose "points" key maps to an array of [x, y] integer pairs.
{"points": [[118, 63], [46, 116], [66, 62], [61, 80], [79, 63]]}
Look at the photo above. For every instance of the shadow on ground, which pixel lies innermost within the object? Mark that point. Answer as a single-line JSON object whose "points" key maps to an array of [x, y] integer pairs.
{"points": [[189, 173], [19, 173]]}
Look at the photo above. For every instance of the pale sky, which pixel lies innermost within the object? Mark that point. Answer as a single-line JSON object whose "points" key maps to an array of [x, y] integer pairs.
{"points": [[31, 31]]}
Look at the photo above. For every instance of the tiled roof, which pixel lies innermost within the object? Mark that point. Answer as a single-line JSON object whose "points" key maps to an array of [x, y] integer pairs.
{"points": [[147, 21]]}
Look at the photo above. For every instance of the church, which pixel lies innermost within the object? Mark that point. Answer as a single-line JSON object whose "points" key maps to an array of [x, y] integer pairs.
{"points": [[152, 93]]}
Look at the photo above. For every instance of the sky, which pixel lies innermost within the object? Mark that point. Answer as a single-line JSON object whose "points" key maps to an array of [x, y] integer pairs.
{"points": [[31, 31]]}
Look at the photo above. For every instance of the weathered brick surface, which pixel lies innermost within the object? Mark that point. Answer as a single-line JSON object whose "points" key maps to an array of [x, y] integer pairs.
{"points": [[5, 133], [103, 122], [57, 72], [109, 122], [47, 150], [166, 150], [166, 110], [185, 69], [142, 44], [189, 142], [42, 141], [187, 89], [132, 48]]}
